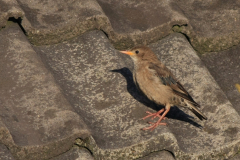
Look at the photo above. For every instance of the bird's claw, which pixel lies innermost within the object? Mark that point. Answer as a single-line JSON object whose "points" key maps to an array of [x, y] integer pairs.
{"points": [[150, 114], [153, 115], [154, 125]]}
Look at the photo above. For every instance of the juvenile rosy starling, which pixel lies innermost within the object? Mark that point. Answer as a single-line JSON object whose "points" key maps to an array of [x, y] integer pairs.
{"points": [[158, 83]]}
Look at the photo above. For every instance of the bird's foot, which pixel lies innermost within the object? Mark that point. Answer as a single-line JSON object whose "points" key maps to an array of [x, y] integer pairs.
{"points": [[154, 125], [154, 115]]}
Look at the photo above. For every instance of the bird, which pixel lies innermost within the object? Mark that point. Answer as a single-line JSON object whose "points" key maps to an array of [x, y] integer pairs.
{"points": [[159, 84]]}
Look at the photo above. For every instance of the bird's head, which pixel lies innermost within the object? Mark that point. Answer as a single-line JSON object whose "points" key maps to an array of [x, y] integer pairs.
{"points": [[141, 53]]}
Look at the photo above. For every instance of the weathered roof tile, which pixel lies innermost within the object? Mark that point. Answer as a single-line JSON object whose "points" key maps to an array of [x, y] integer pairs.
{"points": [[40, 121]]}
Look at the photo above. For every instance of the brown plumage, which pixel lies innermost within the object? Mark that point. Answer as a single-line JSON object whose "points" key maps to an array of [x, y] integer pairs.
{"points": [[157, 82]]}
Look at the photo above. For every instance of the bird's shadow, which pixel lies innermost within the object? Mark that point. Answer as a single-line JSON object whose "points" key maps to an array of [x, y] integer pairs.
{"points": [[174, 113]]}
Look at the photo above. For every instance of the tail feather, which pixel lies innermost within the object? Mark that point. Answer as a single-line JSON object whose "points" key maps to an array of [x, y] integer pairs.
{"points": [[198, 113]]}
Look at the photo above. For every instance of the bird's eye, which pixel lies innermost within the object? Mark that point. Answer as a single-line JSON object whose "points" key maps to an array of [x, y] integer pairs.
{"points": [[136, 51]]}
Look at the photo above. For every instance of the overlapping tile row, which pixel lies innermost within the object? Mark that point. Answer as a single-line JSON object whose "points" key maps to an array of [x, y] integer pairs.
{"points": [[36, 121], [219, 134], [225, 68], [81, 90], [98, 84], [209, 25], [213, 24], [89, 70]]}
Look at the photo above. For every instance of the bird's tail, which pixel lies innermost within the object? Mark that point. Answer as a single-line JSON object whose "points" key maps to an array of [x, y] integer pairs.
{"points": [[198, 113]]}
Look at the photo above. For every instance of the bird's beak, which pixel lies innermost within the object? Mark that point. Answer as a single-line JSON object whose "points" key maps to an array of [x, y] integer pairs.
{"points": [[127, 52]]}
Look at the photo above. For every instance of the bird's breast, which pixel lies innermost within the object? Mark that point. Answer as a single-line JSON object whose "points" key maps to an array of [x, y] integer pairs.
{"points": [[152, 86]]}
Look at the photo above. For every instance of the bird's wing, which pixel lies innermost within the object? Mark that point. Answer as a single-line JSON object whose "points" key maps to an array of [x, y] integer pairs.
{"points": [[168, 79]]}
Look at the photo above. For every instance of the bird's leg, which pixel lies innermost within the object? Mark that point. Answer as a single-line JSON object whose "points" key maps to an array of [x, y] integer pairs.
{"points": [[157, 114], [152, 127]]}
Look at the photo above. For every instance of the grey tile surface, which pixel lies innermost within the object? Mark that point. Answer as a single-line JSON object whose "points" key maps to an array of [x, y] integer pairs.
{"points": [[78, 89], [225, 68], [40, 121], [5, 154], [75, 154], [112, 108]]}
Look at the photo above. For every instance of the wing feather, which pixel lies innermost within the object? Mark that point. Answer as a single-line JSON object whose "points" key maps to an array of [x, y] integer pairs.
{"points": [[168, 79]]}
